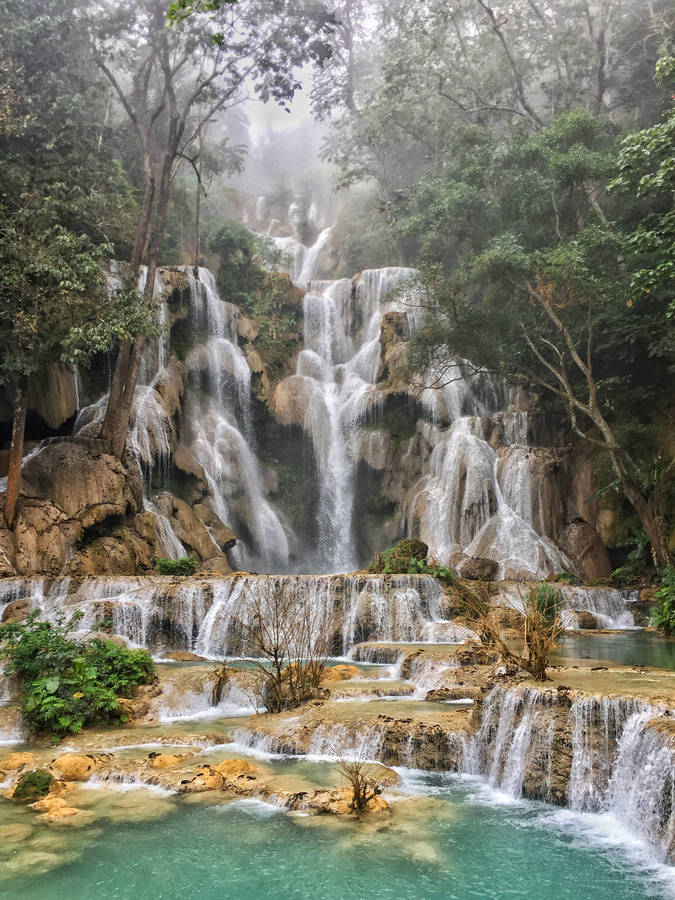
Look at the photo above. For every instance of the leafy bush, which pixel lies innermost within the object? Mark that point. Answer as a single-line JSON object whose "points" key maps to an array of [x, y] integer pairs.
{"points": [[409, 557], [186, 565], [664, 614], [68, 683]]}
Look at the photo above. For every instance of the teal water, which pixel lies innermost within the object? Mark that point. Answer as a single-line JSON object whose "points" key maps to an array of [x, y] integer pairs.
{"points": [[457, 843], [627, 648]]}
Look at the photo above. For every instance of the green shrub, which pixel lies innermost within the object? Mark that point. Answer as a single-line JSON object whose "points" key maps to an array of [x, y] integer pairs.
{"points": [[33, 785], [409, 557], [565, 578], [186, 565], [625, 575], [664, 613], [68, 683]]}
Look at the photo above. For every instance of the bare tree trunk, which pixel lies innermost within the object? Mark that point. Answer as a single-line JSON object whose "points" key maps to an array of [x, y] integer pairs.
{"points": [[15, 455], [651, 522], [116, 421]]}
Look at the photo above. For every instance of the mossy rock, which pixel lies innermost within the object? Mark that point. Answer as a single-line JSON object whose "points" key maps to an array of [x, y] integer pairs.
{"points": [[33, 785], [396, 560]]}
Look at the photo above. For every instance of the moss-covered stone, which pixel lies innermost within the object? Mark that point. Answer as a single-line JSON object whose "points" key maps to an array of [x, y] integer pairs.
{"points": [[33, 785], [396, 560]]}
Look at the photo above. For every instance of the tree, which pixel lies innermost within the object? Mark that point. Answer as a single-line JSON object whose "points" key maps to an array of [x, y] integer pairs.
{"points": [[170, 82], [646, 167], [64, 207], [541, 629], [362, 776], [534, 282], [288, 639]]}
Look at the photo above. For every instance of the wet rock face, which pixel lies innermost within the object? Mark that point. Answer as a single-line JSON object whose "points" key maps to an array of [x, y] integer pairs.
{"points": [[581, 542], [68, 488]]}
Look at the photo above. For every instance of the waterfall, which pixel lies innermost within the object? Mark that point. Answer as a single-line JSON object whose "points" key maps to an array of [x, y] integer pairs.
{"points": [[622, 756], [218, 423], [337, 371], [610, 606], [206, 616], [171, 546], [516, 729]]}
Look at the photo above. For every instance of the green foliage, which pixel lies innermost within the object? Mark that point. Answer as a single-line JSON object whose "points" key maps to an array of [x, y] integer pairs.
{"points": [[186, 565], [68, 683], [270, 298], [66, 206], [545, 602], [646, 169], [566, 578], [409, 557], [33, 785], [664, 613]]}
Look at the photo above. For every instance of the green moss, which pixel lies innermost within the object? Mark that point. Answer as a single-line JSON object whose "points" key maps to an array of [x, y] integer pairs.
{"points": [[33, 785]]}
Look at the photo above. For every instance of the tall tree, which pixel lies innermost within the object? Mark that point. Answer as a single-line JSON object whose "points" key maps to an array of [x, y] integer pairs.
{"points": [[170, 82], [64, 205]]}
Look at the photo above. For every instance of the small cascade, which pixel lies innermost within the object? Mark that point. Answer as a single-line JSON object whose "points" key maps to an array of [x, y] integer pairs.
{"points": [[384, 608], [610, 606], [473, 498], [598, 724], [172, 547], [515, 735], [340, 741], [622, 756], [184, 698], [427, 673]]}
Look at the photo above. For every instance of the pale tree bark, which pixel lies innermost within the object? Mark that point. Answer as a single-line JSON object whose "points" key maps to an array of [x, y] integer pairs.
{"points": [[647, 507], [16, 454]]}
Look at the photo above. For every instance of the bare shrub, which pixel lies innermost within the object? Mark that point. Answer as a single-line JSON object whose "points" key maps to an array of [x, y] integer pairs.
{"points": [[288, 640], [541, 628]]}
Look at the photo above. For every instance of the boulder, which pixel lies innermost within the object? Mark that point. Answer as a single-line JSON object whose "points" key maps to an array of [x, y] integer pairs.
{"points": [[192, 532], [32, 785], [478, 568], [207, 779], [165, 761], [17, 761], [48, 803], [237, 768], [341, 672], [59, 812], [188, 465], [224, 536], [83, 481], [584, 545], [291, 400], [74, 767], [586, 620]]}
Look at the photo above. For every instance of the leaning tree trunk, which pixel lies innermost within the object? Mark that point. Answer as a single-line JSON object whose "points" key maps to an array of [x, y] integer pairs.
{"points": [[116, 423], [15, 455]]}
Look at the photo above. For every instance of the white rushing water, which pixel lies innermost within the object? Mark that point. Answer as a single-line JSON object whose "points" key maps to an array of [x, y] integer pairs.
{"points": [[207, 616], [620, 766], [219, 432]]}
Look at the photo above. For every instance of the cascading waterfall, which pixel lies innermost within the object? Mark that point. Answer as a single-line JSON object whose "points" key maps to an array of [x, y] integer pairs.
{"points": [[217, 417], [516, 728], [622, 762], [337, 371], [206, 616]]}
